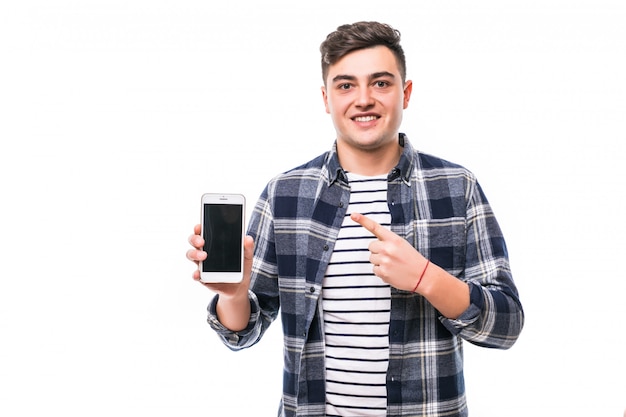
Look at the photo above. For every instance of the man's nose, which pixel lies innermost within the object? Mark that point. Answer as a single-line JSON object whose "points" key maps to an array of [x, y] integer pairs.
{"points": [[365, 97]]}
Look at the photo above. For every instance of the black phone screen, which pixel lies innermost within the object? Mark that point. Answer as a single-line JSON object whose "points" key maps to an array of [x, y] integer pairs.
{"points": [[222, 237]]}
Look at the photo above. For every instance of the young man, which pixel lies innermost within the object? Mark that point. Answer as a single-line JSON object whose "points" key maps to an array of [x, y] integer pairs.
{"points": [[382, 259]]}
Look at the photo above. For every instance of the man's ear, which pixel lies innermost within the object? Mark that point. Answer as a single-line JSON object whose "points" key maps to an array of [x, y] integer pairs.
{"points": [[325, 97], [408, 89]]}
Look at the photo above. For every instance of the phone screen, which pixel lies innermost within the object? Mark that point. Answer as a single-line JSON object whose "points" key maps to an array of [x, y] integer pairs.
{"points": [[222, 237]]}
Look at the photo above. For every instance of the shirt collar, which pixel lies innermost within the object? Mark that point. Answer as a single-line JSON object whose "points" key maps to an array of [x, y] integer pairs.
{"points": [[403, 169], [335, 172], [406, 164]]}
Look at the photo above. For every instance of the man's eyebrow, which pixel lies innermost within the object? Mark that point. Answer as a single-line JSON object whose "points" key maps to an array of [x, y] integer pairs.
{"points": [[344, 77], [381, 74], [373, 76]]}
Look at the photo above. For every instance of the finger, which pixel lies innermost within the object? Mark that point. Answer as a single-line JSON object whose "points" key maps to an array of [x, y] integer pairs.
{"points": [[196, 255], [379, 271], [375, 259], [376, 246], [248, 247], [196, 275], [196, 241], [376, 229], [248, 255], [197, 230]]}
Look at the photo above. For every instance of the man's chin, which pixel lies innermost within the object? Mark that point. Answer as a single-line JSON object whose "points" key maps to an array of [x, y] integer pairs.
{"points": [[368, 143]]}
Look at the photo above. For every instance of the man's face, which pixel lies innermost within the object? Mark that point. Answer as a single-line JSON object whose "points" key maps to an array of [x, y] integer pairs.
{"points": [[365, 96]]}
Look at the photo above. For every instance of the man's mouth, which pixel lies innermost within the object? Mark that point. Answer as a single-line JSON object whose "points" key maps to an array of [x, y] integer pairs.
{"points": [[365, 118]]}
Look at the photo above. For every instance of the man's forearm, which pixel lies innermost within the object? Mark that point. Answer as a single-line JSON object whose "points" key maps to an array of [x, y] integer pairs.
{"points": [[449, 295], [234, 311]]}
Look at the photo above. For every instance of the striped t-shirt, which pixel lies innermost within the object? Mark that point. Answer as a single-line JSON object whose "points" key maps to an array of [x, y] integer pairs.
{"points": [[356, 307]]}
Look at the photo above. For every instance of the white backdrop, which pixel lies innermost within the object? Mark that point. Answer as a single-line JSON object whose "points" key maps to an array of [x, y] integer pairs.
{"points": [[116, 115]]}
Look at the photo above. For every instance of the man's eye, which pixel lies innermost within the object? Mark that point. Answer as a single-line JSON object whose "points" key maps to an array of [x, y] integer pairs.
{"points": [[345, 86], [381, 84]]}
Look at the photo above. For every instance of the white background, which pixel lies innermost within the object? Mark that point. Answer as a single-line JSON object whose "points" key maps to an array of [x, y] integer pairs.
{"points": [[116, 115]]}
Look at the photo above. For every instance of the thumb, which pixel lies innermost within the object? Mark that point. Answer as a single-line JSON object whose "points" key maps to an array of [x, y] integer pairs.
{"points": [[248, 248]]}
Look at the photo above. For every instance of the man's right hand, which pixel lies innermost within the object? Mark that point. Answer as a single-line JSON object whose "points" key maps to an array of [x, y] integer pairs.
{"points": [[228, 290], [233, 306]]}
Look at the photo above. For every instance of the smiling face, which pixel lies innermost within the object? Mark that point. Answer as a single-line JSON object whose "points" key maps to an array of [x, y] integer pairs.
{"points": [[365, 97]]}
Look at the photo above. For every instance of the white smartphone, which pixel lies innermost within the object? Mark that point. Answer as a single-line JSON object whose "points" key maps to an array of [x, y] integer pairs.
{"points": [[223, 232]]}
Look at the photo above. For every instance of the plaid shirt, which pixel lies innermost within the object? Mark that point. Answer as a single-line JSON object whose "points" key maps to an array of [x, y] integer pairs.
{"points": [[437, 206]]}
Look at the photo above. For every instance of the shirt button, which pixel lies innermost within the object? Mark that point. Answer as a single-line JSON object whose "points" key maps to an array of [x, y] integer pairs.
{"points": [[312, 290], [341, 204], [325, 247]]}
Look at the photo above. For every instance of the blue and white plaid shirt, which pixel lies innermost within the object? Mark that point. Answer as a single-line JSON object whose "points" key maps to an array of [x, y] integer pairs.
{"points": [[436, 205]]}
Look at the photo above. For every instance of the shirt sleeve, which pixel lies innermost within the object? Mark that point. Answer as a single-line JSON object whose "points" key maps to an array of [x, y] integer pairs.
{"points": [[495, 316], [241, 339]]}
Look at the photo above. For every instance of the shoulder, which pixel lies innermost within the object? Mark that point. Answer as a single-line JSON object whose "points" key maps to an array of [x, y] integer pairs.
{"points": [[296, 181], [429, 161], [308, 170], [430, 165], [317, 163]]}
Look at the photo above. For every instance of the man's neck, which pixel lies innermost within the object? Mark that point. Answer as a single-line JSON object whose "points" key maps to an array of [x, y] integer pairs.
{"points": [[369, 162]]}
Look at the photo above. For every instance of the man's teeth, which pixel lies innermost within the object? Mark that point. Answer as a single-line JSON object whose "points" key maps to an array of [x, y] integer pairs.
{"points": [[365, 118]]}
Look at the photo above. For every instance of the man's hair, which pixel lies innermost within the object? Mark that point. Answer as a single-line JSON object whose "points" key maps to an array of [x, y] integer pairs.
{"points": [[361, 35]]}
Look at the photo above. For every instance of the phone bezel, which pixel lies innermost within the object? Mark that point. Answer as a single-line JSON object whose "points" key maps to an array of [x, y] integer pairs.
{"points": [[234, 199]]}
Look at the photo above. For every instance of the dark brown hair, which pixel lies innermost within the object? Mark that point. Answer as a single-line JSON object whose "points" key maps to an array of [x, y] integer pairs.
{"points": [[361, 35]]}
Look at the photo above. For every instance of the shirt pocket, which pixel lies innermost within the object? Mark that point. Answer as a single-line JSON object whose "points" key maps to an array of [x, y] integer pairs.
{"points": [[443, 241]]}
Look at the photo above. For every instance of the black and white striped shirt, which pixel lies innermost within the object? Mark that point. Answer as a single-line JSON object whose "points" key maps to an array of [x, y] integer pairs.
{"points": [[356, 308]]}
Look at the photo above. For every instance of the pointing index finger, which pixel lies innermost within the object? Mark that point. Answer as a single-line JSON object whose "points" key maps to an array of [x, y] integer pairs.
{"points": [[376, 229]]}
